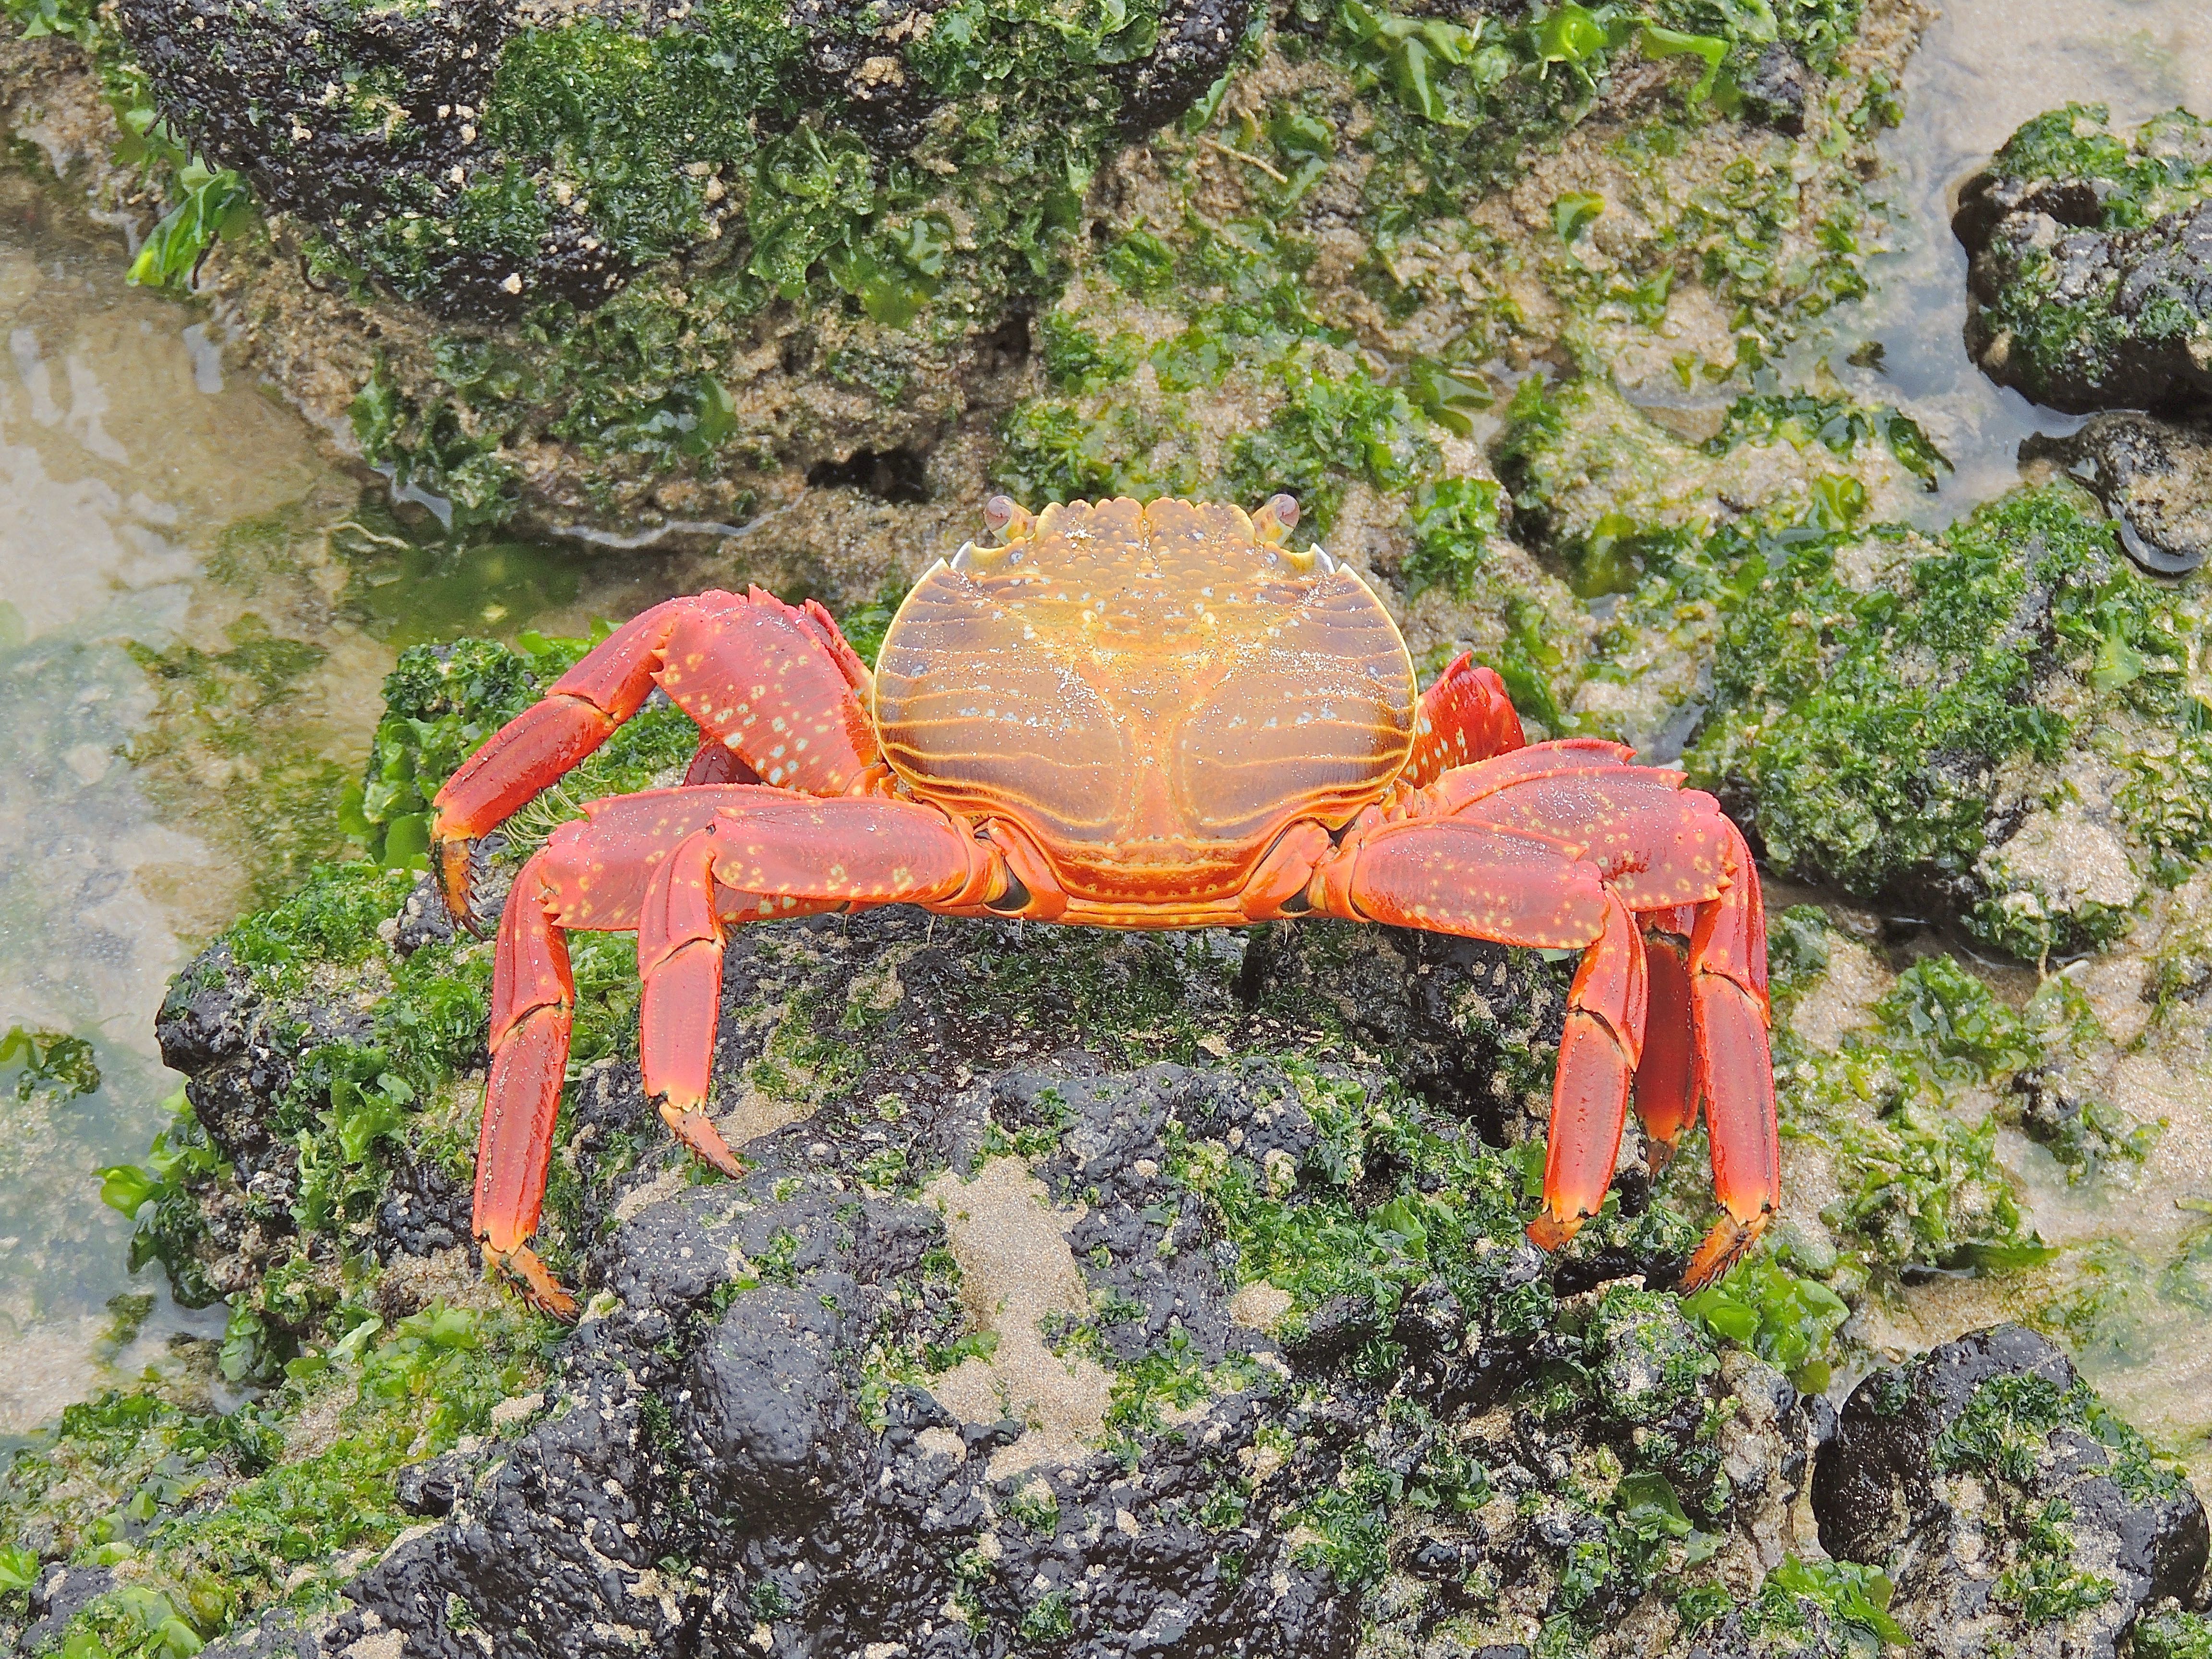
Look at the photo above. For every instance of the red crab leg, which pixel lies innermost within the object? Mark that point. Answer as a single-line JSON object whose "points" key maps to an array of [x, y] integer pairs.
{"points": [[1735, 1066], [1450, 876], [545, 740], [532, 997], [665, 862], [767, 856], [679, 958], [1598, 1054], [1666, 1077], [1456, 789], [1465, 717], [778, 685]]}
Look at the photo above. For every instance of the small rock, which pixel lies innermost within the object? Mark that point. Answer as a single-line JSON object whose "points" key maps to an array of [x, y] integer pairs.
{"points": [[2008, 1503], [1776, 89], [2155, 478]]}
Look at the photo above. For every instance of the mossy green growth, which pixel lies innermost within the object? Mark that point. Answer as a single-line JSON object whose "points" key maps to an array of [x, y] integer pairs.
{"points": [[1321, 1233], [2003, 1436], [1786, 1319], [2060, 334], [206, 1513], [721, 140], [1851, 1595], [1922, 1184], [1250, 330], [2165, 167], [1456, 103], [2003, 1431], [2169, 1633], [1864, 725]]}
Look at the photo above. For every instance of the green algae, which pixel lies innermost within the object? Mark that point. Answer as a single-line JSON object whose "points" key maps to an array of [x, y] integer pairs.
{"points": [[1855, 1596], [2167, 1633], [219, 1514], [2057, 335], [1864, 727]]}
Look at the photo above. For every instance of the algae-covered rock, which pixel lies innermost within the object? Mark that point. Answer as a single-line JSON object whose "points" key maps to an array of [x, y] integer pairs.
{"points": [[656, 271], [2092, 273], [1995, 721], [2010, 1504], [1310, 1376], [2155, 478]]}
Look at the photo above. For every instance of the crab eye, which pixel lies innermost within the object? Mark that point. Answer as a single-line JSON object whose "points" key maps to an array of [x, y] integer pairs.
{"points": [[1003, 516], [1275, 520]]}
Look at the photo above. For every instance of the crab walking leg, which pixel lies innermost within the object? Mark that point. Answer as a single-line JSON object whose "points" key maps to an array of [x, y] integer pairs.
{"points": [[669, 863], [1465, 717], [533, 999], [1598, 1054], [1666, 1077], [679, 958], [1736, 1066], [1451, 876], [777, 684], [581, 711]]}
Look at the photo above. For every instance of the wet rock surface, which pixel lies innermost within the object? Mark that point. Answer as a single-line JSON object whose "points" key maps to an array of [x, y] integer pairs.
{"points": [[2091, 262], [778, 1430], [2008, 1504], [2155, 479], [1020, 1339]]}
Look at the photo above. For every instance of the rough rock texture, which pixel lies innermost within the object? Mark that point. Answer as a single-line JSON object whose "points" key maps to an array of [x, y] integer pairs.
{"points": [[2091, 262], [2155, 478], [2008, 1504], [776, 1430]]}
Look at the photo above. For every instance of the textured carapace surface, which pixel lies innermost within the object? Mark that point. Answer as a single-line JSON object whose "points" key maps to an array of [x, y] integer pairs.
{"points": [[1153, 690]]}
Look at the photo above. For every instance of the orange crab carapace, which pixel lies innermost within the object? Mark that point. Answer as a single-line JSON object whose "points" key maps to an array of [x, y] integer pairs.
{"points": [[1124, 714]]}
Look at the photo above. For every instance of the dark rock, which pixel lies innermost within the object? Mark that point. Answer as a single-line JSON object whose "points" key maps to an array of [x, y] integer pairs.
{"points": [[60, 1594], [1197, 39], [433, 1488], [2154, 478], [424, 1211], [2090, 285], [1776, 89], [2008, 1503], [759, 1438], [423, 919]]}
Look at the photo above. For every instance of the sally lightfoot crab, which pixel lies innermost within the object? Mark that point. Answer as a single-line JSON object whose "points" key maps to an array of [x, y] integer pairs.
{"points": [[1124, 714]]}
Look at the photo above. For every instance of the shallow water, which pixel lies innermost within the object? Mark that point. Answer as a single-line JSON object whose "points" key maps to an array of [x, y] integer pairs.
{"points": [[149, 498]]}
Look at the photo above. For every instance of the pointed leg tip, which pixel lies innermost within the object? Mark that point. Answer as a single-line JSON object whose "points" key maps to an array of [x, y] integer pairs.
{"points": [[534, 1283], [696, 1131], [1658, 1155], [1548, 1232], [1728, 1244], [456, 863]]}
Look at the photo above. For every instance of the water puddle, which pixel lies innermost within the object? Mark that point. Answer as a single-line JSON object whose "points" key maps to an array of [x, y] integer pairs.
{"points": [[196, 612], [1983, 67]]}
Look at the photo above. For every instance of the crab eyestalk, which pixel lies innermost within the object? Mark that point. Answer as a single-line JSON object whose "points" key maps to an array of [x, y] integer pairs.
{"points": [[1277, 517], [1008, 520]]}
